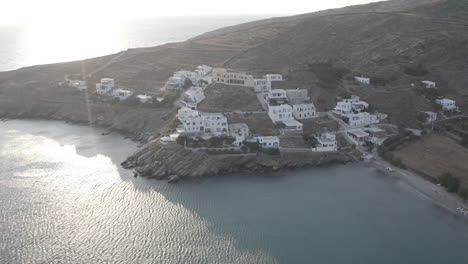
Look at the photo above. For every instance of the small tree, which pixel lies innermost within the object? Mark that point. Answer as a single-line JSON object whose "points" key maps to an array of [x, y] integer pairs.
{"points": [[464, 141], [369, 145], [187, 83], [453, 184], [444, 178], [310, 140], [422, 117], [463, 193]]}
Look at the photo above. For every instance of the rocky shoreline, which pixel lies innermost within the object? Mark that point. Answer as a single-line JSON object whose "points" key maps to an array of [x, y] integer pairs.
{"points": [[173, 162]]}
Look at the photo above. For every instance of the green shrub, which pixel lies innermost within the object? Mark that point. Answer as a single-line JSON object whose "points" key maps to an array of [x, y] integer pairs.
{"points": [[252, 146], [329, 76], [422, 117], [457, 5], [416, 70], [463, 193], [270, 151], [464, 141], [453, 184], [444, 178], [450, 182], [310, 140]]}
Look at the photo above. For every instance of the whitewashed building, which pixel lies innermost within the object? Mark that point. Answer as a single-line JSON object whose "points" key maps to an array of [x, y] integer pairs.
{"points": [[203, 70], [358, 136], [270, 142], [274, 77], [121, 94], [174, 83], [78, 84], [145, 99], [276, 96], [326, 142], [199, 123], [429, 84], [105, 86], [193, 96], [291, 126], [262, 86], [431, 117], [304, 111], [362, 119], [240, 132], [362, 80], [346, 106], [278, 113], [226, 76], [447, 104]]}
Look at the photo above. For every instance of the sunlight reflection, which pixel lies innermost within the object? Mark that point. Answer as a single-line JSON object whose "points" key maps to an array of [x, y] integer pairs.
{"points": [[70, 40]]}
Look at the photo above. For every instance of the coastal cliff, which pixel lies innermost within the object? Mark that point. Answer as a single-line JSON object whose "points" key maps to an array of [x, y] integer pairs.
{"points": [[160, 161]]}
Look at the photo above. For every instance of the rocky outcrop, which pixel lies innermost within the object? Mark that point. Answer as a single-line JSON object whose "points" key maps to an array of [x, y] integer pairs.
{"points": [[172, 161]]}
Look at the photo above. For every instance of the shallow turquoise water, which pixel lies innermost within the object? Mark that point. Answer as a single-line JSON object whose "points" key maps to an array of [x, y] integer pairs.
{"points": [[64, 199]]}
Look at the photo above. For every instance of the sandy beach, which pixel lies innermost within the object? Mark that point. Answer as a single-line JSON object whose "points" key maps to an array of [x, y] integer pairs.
{"points": [[437, 194]]}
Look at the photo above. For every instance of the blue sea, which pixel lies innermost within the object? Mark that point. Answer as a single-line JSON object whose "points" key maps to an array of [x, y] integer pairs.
{"points": [[65, 199]]}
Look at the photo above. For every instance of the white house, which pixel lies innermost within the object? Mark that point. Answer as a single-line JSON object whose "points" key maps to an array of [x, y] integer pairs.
{"points": [[239, 129], [304, 111], [145, 99], [346, 106], [203, 70], [193, 96], [274, 77], [277, 96], [326, 142], [240, 132], [362, 119], [431, 117], [271, 142], [262, 86], [278, 113], [78, 84], [174, 83], [225, 76], [447, 104], [362, 80], [297, 96], [291, 126], [105, 86], [122, 95], [199, 123], [428, 84], [358, 136]]}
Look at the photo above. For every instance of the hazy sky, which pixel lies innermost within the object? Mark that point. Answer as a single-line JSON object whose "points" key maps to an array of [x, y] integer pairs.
{"points": [[32, 11]]}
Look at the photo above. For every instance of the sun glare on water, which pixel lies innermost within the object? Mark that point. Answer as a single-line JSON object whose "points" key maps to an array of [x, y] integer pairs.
{"points": [[50, 42]]}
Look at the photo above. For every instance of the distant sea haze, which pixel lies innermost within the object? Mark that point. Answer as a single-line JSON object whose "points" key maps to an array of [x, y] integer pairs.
{"points": [[28, 45]]}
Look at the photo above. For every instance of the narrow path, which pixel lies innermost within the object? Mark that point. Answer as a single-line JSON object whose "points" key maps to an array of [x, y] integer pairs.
{"points": [[112, 60]]}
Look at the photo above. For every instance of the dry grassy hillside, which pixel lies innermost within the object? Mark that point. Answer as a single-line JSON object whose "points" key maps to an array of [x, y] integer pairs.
{"points": [[378, 40]]}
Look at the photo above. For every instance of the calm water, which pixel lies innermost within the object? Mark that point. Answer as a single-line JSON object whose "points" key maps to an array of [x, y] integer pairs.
{"points": [[74, 40], [64, 199]]}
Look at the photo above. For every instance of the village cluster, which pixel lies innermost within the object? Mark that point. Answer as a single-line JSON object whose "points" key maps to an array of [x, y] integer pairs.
{"points": [[285, 108]]}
